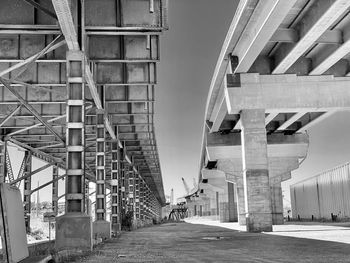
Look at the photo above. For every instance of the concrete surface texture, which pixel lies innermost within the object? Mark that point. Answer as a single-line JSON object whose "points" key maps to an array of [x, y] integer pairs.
{"points": [[184, 242]]}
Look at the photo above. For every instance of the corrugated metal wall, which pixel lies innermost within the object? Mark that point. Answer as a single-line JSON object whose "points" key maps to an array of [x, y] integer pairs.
{"points": [[323, 194]]}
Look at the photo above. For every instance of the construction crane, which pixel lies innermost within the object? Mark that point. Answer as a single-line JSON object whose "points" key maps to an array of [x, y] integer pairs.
{"points": [[187, 189]]}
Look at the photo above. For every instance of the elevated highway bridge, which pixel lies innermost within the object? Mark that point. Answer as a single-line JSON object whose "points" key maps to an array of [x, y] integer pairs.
{"points": [[283, 67], [77, 91]]}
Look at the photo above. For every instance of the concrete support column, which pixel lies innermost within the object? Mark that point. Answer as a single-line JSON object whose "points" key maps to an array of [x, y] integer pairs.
{"points": [[55, 190], [87, 198], [74, 229], [241, 205], [101, 227], [115, 218], [277, 204], [232, 202], [27, 187], [255, 171], [223, 206]]}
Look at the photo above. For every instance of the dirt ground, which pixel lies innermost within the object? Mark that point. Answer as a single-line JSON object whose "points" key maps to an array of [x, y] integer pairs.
{"points": [[183, 242]]}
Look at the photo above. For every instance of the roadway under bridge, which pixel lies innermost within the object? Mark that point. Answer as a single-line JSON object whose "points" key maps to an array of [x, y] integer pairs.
{"points": [[284, 66], [77, 91]]}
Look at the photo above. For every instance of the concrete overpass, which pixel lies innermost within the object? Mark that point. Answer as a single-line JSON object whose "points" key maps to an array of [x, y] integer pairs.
{"points": [[77, 91], [283, 67]]}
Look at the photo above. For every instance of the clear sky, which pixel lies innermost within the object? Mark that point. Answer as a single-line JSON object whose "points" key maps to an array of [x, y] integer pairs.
{"points": [[189, 51]]}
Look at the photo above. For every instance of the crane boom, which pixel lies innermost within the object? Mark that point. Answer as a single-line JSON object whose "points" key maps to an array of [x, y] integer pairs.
{"points": [[187, 189]]}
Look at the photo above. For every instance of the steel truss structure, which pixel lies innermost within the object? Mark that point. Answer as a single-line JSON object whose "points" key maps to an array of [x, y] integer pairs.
{"points": [[77, 91]]}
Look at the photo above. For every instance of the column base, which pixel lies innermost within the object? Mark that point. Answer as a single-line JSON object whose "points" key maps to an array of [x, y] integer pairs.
{"points": [[116, 229], [259, 222], [74, 232], [223, 212], [242, 221], [101, 229], [277, 219]]}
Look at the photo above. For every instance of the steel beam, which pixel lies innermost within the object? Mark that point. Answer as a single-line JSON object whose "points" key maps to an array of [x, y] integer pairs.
{"points": [[115, 192], [10, 115], [75, 132], [48, 183], [30, 108], [30, 173], [100, 167], [55, 189], [27, 191], [2, 161], [41, 8]]}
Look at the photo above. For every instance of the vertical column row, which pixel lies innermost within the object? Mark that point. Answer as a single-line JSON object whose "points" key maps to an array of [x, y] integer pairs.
{"points": [[101, 227], [2, 162], [27, 186], [137, 197], [55, 190], [147, 203], [100, 167], [131, 191], [87, 198], [141, 199], [122, 187], [115, 217], [75, 132]]}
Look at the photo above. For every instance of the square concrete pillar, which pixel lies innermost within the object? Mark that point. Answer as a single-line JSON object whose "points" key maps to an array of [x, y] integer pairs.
{"points": [[277, 204], [101, 229], [223, 212], [241, 205], [232, 203], [255, 171], [74, 232]]}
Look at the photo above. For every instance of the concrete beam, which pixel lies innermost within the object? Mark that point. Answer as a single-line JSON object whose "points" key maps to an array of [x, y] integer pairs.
{"points": [[333, 58], [314, 25], [243, 12], [267, 16], [291, 120], [278, 145], [289, 93], [289, 35], [220, 114]]}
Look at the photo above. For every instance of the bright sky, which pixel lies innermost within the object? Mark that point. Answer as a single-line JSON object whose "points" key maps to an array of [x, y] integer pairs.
{"points": [[189, 53], [190, 50]]}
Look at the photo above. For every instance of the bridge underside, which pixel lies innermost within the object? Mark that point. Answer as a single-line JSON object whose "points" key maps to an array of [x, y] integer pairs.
{"points": [[284, 67], [77, 91]]}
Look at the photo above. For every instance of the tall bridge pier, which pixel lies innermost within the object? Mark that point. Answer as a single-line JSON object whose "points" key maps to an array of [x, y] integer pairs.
{"points": [[281, 70]]}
